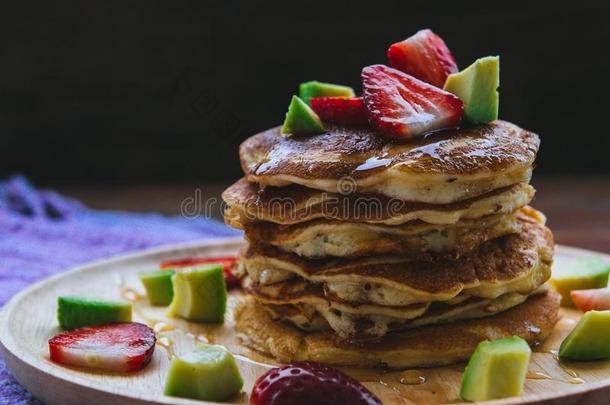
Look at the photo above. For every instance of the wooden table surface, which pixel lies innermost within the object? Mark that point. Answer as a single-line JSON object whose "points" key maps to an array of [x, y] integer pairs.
{"points": [[577, 208]]}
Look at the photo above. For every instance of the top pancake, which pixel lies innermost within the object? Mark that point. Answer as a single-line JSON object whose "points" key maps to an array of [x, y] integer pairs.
{"points": [[441, 168]]}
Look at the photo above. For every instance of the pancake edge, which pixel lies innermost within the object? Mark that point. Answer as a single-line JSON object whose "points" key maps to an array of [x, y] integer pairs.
{"points": [[428, 346]]}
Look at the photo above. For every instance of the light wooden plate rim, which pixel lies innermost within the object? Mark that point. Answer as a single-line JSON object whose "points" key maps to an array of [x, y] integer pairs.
{"points": [[20, 362]]}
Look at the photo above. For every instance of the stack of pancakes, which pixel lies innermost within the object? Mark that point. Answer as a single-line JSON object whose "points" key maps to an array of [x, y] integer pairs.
{"points": [[362, 251]]}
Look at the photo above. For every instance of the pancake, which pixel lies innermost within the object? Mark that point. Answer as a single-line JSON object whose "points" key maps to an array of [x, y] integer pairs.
{"points": [[418, 240], [298, 291], [442, 168], [433, 345], [247, 202], [514, 263], [367, 322]]}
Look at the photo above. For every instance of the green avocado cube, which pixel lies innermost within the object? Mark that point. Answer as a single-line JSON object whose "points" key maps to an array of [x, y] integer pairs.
{"points": [[477, 86], [209, 373], [314, 88], [159, 287], [200, 294], [497, 369], [301, 119], [75, 312], [590, 338], [579, 274]]}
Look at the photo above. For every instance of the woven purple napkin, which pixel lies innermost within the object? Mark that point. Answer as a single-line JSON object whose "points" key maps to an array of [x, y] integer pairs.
{"points": [[43, 233]]}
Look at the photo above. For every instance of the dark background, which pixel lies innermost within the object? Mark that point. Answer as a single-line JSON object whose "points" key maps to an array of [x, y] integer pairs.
{"points": [[142, 92]]}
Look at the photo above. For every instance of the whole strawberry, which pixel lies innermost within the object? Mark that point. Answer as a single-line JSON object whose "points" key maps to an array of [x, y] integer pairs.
{"points": [[307, 383]]}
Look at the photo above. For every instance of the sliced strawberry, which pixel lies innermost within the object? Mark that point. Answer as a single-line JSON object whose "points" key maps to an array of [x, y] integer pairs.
{"points": [[232, 278], [425, 56], [340, 110], [193, 261], [403, 107], [123, 346], [595, 299]]}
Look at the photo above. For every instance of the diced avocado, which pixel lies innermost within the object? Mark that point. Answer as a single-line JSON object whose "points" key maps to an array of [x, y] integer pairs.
{"points": [[590, 338], [76, 312], [209, 373], [159, 287], [314, 88], [496, 370], [200, 293], [301, 119], [579, 274], [477, 86]]}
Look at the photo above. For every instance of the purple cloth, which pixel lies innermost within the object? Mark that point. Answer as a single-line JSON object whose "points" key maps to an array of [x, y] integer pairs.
{"points": [[43, 233]]}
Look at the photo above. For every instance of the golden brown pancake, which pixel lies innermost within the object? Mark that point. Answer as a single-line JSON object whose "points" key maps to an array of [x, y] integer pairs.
{"points": [[299, 291], [514, 263], [365, 321], [417, 240], [432, 345], [446, 167], [248, 202]]}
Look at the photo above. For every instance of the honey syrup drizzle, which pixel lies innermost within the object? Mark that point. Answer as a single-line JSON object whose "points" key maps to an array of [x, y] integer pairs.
{"points": [[412, 377], [161, 326], [537, 375], [396, 381], [158, 326], [573, 374], [168, 344]]}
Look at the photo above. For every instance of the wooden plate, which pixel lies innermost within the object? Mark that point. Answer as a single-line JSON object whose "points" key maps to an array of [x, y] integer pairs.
{"points": [[29, 320]]}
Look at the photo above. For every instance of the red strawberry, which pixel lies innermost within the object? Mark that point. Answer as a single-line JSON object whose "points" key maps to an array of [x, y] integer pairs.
{"points": [[401, 106], [595, 299], [232, 279], [306, 383], [425, 56], [123, 346], [193, 261], [340, 110]]}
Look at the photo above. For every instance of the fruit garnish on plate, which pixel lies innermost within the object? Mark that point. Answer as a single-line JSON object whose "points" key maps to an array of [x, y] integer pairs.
{"points": [[340, 110], [208, 373], [315, 88], [124, 346], [309, 383], [590, 338], [200, 293], [424, 56], [158, 285], [594, 299], [75, 312], [226, 261], [579, 274], [403, 107], [301, 119], [496, 369], [233, 277], [477, 87]]}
